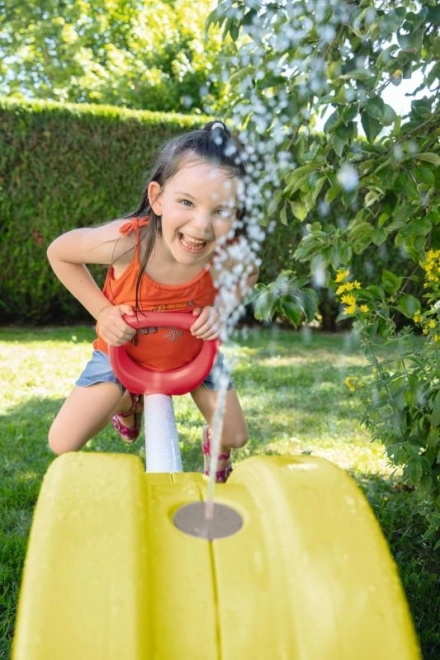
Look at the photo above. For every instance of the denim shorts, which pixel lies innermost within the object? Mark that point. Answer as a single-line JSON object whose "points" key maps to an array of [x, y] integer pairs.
{"points": [[99, 370]]}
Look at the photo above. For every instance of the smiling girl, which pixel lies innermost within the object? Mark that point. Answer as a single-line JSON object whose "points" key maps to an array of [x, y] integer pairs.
{"points": [[163, 257]]}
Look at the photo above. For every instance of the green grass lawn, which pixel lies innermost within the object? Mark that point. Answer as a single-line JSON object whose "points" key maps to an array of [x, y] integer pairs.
{"points": [[292, 388]]}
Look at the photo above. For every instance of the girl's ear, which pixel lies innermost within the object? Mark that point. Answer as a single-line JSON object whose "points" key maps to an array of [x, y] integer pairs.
{"points": [[154, 197]]}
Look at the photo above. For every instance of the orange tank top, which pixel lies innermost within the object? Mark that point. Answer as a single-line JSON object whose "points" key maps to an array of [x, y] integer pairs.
{"points": [[160, 348]]}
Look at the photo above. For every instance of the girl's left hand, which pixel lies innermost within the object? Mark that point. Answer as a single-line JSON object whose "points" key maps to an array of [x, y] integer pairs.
{"points": [[207, 325]]}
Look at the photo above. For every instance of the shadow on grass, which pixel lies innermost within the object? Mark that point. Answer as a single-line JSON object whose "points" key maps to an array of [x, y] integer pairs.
{"points": [[24, 459], [397, 510]]}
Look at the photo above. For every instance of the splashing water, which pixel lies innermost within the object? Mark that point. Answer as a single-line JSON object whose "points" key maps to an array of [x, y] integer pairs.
{"points": [[215, 451], [268, 106], [265, 163]]}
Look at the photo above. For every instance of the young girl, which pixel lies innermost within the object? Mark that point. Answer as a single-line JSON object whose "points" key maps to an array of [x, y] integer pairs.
{"points": [[164, 257]]}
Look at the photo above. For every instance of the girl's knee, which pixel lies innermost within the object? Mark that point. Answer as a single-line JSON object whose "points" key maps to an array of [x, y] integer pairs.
{"points": [[60, 441], [55, 443], [237, 439]]}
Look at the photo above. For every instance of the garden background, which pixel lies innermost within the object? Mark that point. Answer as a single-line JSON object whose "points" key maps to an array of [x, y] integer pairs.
{"points": [[348, 202]]}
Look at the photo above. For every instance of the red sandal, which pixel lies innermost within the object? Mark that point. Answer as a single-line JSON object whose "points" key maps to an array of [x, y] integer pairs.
{"points": [[127, 434], [221, 475]]}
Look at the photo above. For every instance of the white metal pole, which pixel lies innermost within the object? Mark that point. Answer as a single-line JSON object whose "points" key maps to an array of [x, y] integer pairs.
{"points": [[162, 452]]}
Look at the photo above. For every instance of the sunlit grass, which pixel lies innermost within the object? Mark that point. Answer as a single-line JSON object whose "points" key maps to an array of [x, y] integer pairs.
{"points": [[293, 389]]}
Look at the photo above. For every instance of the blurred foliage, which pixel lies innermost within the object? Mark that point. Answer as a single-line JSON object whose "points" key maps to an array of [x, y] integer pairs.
{"points": [[62, 167], [402, 397], [141, 55], [371, 177], [358, 181]]}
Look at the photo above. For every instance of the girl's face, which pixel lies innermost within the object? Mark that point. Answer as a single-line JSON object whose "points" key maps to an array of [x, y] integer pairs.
{"points": [[198, 206]]}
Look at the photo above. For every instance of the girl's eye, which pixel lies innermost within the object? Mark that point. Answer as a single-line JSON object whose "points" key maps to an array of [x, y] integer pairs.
{"points": [[225, 213], [186, 202]]}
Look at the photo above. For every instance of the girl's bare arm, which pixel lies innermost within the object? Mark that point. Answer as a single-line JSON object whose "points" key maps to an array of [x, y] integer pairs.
{"points": [[69, 255]]}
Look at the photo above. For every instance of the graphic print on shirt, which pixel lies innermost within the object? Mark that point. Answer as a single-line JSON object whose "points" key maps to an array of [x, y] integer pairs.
{"points": [[172, 334]]}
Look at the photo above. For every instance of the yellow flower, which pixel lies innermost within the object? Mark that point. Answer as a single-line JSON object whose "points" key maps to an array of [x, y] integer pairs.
{"points": [[351, 309], [436, 337], [431, 324], [348, 382], [341, 288], [418, 318], [342, 275], [348, 299], [432, 266], [352, 285], [364, 309]]}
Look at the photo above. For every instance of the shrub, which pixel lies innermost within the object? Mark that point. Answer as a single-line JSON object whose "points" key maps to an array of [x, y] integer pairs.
{"points": [[402, 396], [61, 167]]}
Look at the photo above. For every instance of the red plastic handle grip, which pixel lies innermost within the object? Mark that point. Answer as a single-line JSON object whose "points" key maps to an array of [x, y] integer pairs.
{"points": [[142, 380]]}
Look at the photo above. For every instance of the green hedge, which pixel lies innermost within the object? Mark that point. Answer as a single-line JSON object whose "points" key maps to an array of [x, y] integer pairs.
{"points": [[61, 167]]}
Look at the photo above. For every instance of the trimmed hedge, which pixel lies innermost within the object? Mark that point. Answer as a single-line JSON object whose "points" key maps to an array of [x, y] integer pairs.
{"points": [[61, 167]]}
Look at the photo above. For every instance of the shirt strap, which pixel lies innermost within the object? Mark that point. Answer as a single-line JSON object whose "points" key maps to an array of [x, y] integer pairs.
{"points": [[134, 224]]}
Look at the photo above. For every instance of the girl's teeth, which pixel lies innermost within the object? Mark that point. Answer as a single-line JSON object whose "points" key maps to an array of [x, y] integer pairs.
{"points": [[192, 243]]}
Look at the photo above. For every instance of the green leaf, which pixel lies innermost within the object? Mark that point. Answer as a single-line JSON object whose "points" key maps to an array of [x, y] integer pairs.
{"points": [[292, 312], [263, 301], [434, 432], [371, 126], [375, 107], [435, 416], [389, 115], [421, 109], [371, 197], [425, 175], [299, 177], [338, 144], [331, 122], [309, 303], [409, 305], [381, 111], [241, 74], [360, 236], [357, 74], [332, 193], [318, 187], [429, 157], [379, 236], [299, 211], [391, 282], [309, 246], [346, 131]]}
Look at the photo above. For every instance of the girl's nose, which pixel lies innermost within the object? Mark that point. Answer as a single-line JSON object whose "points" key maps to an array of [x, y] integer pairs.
{"points": [[202, 220]]}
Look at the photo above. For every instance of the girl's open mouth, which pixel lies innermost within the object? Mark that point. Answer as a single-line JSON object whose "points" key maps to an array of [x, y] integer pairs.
{"points": [[192, 244]]}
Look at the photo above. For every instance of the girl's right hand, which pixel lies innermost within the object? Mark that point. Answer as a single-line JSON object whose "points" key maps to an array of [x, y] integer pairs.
{"points": [[112, 327]]}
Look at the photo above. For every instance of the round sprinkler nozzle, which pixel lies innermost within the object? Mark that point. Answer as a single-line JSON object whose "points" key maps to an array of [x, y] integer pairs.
{"points": [[222, 520]]}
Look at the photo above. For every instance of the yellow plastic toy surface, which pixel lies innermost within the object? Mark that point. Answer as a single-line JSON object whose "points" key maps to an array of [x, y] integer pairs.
{"points": [[108, 576]]}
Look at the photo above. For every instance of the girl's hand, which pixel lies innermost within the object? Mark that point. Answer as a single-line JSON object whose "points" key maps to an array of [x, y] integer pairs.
{"points": [[207, 325], [112, 327]]}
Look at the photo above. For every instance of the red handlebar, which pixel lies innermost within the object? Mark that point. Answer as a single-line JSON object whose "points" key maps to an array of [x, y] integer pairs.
{"points": [[142, 380]]}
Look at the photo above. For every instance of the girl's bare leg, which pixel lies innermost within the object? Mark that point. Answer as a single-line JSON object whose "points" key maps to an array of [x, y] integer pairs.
{"points": [[234, 429], [86, 411]]}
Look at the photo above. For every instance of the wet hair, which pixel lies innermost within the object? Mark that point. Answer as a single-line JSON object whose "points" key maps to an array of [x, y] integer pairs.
{"points": [[213, 143]]}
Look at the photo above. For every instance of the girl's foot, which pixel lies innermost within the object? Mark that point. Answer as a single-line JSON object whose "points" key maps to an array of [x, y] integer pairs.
{"points": [[129, 429], [224, 467]]}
